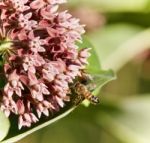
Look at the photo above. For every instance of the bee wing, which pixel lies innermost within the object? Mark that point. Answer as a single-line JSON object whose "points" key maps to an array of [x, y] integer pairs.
{"points": [[98, 80]]}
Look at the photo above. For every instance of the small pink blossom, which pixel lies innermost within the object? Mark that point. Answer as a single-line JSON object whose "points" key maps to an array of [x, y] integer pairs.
{"points": [[36, 43], [20, 5], [30, 62], [38, 91], [37, 4], [44, 107], [49, 12], [26, 120], [56, 1], [51, 69], [25, 23], [13, 85], [8, 105]]}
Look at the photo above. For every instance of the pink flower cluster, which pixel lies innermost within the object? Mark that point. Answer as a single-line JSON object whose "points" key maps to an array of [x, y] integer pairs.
{"points": [[43, 58]]}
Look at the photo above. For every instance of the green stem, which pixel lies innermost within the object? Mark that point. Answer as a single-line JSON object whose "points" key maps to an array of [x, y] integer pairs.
{"points": [[5, 45]]}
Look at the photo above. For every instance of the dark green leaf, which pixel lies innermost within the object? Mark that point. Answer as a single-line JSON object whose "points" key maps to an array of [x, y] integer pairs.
{"points": [[15, 134], [101, 77]]}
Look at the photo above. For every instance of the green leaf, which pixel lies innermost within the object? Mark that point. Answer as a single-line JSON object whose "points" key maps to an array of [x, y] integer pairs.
{"points": [[94, 62], [99, 79], [15, 134], [131, 123], [4, 125], [99, 76], [102, 77], [113, 5], [93, 67], [118, 44]]}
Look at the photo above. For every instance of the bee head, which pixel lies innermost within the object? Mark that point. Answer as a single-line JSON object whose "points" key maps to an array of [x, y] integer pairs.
{"points": [[95, 100]]}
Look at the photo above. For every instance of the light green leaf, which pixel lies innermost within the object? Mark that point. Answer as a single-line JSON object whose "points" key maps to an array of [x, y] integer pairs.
{"points": [[131, 123], [16, 135], [4, 122], [94, 62], [118, 44], [102, 77], [99, 80], [99, 76], [4, 125], [113, 5]]}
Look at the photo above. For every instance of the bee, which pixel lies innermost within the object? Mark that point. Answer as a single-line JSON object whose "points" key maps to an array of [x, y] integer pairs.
{"points": [[82, 93]]}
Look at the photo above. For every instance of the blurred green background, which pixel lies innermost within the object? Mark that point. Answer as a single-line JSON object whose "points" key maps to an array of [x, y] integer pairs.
{"points": [[120, 33]]}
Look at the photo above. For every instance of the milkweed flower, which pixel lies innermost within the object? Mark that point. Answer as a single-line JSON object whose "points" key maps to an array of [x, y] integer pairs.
{"points": [[41, 58]]}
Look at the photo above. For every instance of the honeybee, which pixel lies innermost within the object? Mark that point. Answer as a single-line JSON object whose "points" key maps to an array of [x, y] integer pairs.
{"points": [[82, 93]]}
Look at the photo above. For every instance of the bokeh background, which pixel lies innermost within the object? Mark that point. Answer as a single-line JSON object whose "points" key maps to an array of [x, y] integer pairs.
{"points": [[120, 33]]}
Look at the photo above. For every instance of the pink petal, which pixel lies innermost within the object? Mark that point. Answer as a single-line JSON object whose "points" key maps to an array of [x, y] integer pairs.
{"points": [[7, 113], [41, 49], [10, 92], [24, 79], [85, 53], [39, 97], [22, 35], [46, 103], [20, 122], [32, 69], [45, 91], [27, 117], [20, 107], [31, 35], [40, 107], [59, 101], [18, 91], [33, 117], [28, 15], [44, 23], [32, 79], [37, 4], [46, 112], [39, 113]]}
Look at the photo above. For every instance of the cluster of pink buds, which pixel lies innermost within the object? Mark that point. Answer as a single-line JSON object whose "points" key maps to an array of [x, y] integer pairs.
{"points": [[41, 58]]}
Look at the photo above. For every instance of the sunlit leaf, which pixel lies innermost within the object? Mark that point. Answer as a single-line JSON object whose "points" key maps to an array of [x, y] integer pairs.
{"points": [[4, 122], [4, 125], [102, 77], [71, 129], [131, 124], [118, 44], [15, 134], [99, 79], [125, 121], [113, 5], [94, 62]]}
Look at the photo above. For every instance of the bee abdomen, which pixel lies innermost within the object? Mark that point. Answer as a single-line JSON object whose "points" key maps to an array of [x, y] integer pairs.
{"points": [[88, 95]]}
